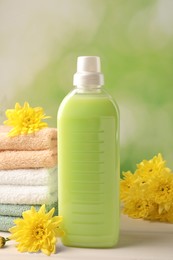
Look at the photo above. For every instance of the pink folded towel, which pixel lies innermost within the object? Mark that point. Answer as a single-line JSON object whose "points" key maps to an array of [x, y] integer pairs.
{"points": [[44, 139], [10, 160]]}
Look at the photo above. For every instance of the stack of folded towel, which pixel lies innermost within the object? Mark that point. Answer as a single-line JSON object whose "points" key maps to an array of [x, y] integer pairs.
{"points": [[28, 173]]}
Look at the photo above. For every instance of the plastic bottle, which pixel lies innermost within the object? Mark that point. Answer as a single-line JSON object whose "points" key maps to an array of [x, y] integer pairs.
{"points": [[88, 160]]}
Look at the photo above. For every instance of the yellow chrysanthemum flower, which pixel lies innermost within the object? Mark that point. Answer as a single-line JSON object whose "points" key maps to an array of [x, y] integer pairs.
{"points": [[126, 184], [148, 193], [25, 120], [139, 208], [132, 186], [152, 166], [161, 190], [37, 231]]}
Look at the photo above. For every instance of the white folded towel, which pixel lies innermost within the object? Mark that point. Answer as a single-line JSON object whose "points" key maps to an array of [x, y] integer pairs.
{"points": [[10, 194], [33, 177]]}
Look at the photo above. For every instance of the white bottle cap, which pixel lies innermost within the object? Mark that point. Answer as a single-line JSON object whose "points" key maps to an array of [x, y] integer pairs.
{"points": [[88, 72]]}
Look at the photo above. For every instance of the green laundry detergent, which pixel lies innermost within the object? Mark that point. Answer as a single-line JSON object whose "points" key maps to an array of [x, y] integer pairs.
{"points": [[88, 161]]}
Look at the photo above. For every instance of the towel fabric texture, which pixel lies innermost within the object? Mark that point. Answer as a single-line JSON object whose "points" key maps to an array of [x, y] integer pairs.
{"points": [[10, 160], [7, 222], [10, 194], [43, 139], [28, 173], [16, 210], [37, 150], [29, 177]]}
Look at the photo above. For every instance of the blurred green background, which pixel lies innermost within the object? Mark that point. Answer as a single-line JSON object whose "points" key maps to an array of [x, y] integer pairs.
{"points": [[40, 41]]}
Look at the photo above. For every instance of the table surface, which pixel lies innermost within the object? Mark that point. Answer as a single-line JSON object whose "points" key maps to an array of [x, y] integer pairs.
{"points": [[139, 240]]}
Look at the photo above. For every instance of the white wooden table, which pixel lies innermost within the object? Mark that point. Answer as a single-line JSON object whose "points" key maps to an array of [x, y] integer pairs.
{"points": [[139, 240]]}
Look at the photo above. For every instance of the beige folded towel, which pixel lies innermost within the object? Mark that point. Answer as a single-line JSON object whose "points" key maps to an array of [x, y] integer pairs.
{"points": [[44, 139], [10, 160]]}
